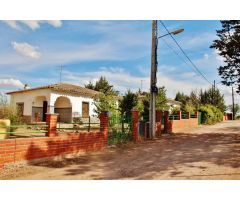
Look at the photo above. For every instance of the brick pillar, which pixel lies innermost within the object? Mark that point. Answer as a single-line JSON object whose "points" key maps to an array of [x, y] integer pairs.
{"points": [[196, 114], [158, 122], [179, 113], [51, 121], [135, 114], [166, 121], [104, 124]]}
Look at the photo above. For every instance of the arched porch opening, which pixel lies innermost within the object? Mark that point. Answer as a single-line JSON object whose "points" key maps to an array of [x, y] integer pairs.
{"points": [[63, 107]]}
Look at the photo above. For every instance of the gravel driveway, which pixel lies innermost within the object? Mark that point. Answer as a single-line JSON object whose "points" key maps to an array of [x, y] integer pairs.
{"points": [[208, 152]]}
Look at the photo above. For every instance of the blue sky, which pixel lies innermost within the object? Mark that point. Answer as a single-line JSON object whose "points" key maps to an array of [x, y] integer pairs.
{"points": [[32, 52]]}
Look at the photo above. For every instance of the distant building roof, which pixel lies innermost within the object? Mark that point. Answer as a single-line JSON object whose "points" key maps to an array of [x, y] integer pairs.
{"points": [[63, 87], [174, 102]]}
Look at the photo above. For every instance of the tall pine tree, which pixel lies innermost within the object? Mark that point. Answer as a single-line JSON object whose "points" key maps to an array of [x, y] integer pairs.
{"points": [[228, 47]]}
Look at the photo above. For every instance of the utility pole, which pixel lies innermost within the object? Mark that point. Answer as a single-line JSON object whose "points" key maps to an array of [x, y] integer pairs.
{"points": [[153, 82], [213, 92], [233, 105]]}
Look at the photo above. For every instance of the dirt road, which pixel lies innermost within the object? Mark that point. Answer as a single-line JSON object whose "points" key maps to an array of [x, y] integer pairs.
{"points": [[208, 152]]}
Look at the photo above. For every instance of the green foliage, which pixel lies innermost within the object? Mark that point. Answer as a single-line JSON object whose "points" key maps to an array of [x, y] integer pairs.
{"points": [[146, 106], [192, 102], [213, 97], [181, 97], [236, 109], [120, 130], [102, 85], [175, 110], [189, 107], [227, 46], [211, 114], [128, 102], [9, 112], [139, 107], [105, 102], [161, 99]]}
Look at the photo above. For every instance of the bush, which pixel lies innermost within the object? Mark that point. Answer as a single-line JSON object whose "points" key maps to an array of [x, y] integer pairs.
{"points": [[8, 112], [210, 114]]}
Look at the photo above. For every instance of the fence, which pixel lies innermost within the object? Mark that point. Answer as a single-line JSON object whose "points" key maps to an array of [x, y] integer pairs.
{"points": [[120, 129], [23, 130], [14, 150], [181, 122], [88, 124]]}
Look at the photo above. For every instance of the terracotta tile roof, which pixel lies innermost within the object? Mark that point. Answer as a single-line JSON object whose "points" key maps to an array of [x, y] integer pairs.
{"points": [[64, 87]]}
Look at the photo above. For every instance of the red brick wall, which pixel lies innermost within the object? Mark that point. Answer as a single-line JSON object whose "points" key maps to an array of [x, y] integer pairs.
{"points": [[22, 149], [25, 149], [174, 126]]}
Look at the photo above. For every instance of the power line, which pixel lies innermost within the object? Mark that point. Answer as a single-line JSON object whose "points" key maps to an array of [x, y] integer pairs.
{"points": [[174, 51], [196, 68]]}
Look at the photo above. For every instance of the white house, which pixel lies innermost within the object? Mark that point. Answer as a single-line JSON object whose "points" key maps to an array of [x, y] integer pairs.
{"points": [[67, 100]]}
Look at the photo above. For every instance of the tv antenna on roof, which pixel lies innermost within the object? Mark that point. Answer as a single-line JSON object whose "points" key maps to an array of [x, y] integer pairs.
{"points": [[60, 75]]}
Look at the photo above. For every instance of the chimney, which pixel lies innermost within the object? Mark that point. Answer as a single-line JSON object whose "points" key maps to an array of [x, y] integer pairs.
{"points": [[26, 87]]}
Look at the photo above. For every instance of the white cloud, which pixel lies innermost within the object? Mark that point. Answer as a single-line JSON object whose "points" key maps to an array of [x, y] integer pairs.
{"points": [[12, 24], [32, 24], [11, 83], [123, 80], [26, 49], [55, 23]]}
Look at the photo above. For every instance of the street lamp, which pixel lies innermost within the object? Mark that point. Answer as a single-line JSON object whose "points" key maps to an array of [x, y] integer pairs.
{"points": [[153, 82], [172, 33]]}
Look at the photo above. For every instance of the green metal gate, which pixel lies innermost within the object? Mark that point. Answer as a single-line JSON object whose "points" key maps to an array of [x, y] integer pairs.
{"points": [[200, 118], [120, 129]]}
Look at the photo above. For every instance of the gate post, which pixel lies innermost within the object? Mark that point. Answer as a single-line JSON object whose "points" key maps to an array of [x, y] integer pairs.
{"points": [[158, 122], [51, 121], [166, 121], [135, 114], [104, 124]]}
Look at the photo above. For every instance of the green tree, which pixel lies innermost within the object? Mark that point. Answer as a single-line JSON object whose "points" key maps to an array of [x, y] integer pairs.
{"points": [[128, 102], [236, 109], [181, 97], [228, 47], [161, 99], [102, 85], [90, 85], [213, 97], [105, 102]]}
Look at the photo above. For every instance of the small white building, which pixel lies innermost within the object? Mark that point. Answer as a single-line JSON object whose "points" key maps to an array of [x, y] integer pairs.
{"points": [[67, 100]]}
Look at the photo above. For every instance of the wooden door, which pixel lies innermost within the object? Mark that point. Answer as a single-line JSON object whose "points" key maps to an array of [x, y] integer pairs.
{"points": [[85, 109], [20, 108], [45, 104]]}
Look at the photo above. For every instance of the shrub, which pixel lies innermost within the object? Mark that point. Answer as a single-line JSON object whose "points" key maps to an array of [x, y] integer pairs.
{"points": [[9, 112], [210, 114]]}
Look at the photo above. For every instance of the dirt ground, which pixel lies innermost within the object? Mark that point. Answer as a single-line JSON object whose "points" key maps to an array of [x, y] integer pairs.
{"points": [[208, 152]]}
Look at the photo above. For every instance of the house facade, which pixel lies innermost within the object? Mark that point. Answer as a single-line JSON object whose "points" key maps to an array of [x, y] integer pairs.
{"points": [[69, 101]]}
